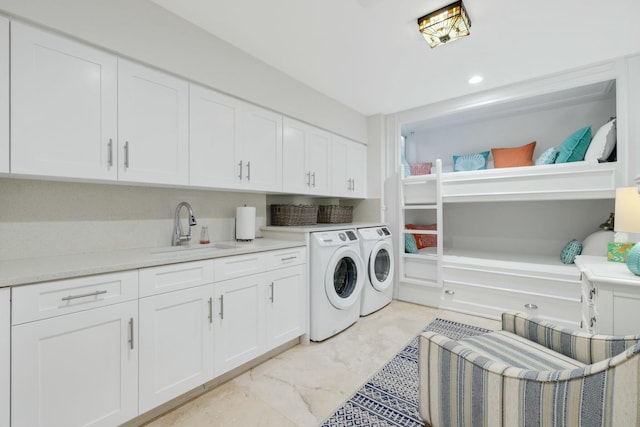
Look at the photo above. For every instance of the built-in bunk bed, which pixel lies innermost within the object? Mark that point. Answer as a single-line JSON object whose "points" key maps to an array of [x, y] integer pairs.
{"points": [[489, 239]]}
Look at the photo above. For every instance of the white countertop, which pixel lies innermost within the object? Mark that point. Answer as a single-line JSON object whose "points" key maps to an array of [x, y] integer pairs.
{"points": [[33, 270], [321, 227], [600, 270]]}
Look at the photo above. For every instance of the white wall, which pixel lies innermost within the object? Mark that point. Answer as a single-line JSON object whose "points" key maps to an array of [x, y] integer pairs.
{"points": [[148, 33], [43, 218]]}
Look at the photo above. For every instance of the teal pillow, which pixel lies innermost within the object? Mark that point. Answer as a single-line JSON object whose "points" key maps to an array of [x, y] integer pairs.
{"points": [[571, 251], [410, 245], [470, 162], [548, 157], [575, 146]]}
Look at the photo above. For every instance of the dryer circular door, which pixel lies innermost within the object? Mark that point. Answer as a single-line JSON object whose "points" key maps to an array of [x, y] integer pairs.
{"points": [[344, 278], [381, 265]]}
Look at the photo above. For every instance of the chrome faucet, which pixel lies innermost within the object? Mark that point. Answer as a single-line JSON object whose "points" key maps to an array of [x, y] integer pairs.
{"points": [[178, 237]]}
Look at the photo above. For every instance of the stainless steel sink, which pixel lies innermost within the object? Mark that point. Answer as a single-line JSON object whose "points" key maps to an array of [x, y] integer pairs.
{"points": [[190, 249]]}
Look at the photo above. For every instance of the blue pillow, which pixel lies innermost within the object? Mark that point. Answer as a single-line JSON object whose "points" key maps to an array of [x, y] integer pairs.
{"points": [[548, 157], [571, 251], [575, 146], [470, 162], [410, 245]]}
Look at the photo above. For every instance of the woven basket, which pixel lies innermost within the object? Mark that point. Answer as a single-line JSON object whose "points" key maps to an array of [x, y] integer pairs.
{"points": [[335, 214], [294, 214]]}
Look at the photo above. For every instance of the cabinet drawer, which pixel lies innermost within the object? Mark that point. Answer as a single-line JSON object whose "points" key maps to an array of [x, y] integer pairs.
{"points": [[536, 283], [420, 268], [172, 277], [44, 300], [285, 258], [486, 301], [238, 266]]}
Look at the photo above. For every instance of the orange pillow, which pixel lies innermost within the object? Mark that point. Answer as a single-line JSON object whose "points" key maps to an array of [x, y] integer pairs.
{"points": [[515, 156], [424, 240]]}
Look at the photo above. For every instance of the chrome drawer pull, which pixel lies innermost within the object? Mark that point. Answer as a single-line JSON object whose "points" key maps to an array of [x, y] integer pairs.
{"points": [[271, 298], [221, 307], [531, 306], [309, 179], [248, 171], [110, 156], [210, 310], [289, 258], [131, 333], [126, 154], [449, 292], [92, 294], [313, 175]]}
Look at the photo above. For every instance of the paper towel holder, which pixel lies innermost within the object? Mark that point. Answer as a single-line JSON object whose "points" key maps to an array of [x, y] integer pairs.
{"points": [[245, 223]]}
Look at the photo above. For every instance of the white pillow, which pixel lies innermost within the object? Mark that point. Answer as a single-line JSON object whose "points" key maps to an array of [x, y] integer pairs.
{"points": [[602, 143]]}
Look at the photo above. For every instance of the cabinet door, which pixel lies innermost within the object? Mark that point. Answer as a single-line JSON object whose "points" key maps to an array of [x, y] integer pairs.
{"points": [[357, 156], [286, 305], [340, 179], [261, 158], [5, 353], [152, 125], [176, 344], [305, 154], [239, 322], [63, 106], [77, 369], [296, 177], [4, 97], [214, 139]]}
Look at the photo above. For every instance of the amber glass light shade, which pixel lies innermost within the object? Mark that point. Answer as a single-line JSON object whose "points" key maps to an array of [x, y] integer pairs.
{"points": [[445, 25]]}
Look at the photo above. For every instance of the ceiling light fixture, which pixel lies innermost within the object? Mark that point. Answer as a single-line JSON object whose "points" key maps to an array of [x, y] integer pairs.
{"points": [[475, 80], [445, 25]]}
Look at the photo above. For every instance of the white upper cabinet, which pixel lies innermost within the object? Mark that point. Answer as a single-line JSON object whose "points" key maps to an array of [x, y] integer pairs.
{"points": [[348, 168], [233, 144], [305, 165], [260, 165], [63, 106], [152, 125], [214, 138], [4, 95]]}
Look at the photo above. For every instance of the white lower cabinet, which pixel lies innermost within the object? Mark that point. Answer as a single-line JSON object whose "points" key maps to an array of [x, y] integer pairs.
{"points": [[255, 313], [5, 356], [79, 369], [176, 344], [239, 325], [286, 306]]}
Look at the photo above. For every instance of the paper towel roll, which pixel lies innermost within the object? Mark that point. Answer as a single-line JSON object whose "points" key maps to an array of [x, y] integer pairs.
{"points": [[245, 223]]}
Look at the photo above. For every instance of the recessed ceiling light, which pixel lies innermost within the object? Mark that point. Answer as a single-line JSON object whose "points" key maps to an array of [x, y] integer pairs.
{"points": [[475, 80]]}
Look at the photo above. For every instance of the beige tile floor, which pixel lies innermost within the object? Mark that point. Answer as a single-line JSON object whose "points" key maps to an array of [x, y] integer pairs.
{"points": [[305, 384]]}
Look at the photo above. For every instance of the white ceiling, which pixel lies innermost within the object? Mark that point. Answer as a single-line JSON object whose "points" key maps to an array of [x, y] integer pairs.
{"points": [[369, 55]]}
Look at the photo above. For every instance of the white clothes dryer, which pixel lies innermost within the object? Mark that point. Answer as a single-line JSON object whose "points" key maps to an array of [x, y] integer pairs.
{"points": [[377, 252], [336, 277]]}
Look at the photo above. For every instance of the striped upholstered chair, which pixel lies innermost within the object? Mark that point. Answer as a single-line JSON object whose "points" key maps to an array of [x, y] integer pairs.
{"points": [[531, 373]]}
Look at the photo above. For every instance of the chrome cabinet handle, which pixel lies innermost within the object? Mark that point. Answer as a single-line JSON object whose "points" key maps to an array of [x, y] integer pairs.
{"points": [[271, 297], [126, 154], [110, 152], [211, 310], [531, 306], [131, 333], [313, 175], [593, 322], [309, 179], [240, 174], [248, 171], [289, 258], [90, 294], [353, 184], [449, 292], [221, 307]]}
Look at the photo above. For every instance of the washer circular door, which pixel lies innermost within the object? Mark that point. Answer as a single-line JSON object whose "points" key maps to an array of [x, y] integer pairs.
{"points": [[381, 266], [344, 278]]}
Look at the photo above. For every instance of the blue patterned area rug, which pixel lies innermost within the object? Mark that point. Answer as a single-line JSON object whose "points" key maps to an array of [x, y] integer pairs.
{"points": [[390, 397]]}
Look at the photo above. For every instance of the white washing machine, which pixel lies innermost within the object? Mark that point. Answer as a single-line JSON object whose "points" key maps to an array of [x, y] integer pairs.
{"points": [[336, 279], [377, 252]]}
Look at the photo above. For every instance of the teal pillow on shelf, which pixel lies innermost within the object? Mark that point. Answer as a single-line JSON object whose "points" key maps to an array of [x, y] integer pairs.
{"points": [[571, 251], [470, 162], [574, 148], [548, 157], [410, 245]]}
